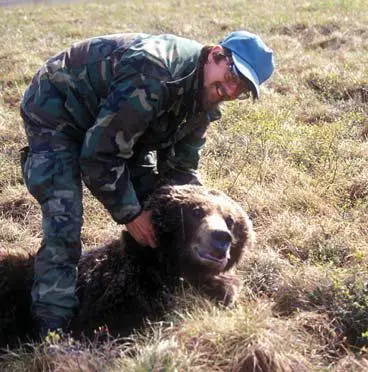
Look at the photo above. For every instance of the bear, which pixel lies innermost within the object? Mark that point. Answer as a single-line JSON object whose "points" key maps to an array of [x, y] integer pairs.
{"points": [[201, 233]]}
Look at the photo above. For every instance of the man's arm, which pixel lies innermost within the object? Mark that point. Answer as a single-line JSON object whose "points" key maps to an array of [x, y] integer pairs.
{"points": [[122, 119], [179, 164]]}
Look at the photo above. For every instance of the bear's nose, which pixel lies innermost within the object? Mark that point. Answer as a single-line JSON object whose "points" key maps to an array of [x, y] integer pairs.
{"points": [[220, 240]]}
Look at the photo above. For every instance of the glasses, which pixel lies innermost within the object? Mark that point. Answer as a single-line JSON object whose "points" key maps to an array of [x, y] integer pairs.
{"points": [[233, 76]]}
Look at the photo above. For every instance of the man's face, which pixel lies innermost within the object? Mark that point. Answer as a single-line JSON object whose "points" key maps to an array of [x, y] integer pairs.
{"points": [[219, 81]]}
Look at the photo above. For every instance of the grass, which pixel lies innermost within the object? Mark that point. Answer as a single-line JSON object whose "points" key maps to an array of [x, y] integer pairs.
{"points": [[296, 160]]}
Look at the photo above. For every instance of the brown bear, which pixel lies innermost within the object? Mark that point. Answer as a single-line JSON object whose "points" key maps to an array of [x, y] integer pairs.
{"points": [[201, 234]]}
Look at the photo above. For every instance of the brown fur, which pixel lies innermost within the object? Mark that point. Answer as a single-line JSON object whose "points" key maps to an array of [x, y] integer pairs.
{"points": [[201, 233]]}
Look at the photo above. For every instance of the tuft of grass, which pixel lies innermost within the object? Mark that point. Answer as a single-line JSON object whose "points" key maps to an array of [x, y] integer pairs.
{"points": [[296, 160], [341, 295], [240, 338]]}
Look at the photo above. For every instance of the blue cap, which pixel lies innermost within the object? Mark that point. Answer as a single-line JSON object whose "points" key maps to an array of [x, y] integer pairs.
{"points": [[251, 56]]}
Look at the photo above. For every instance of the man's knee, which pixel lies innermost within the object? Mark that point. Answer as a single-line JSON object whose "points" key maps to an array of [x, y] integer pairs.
{"points": [[56, 251], [62, 217], [53, 175]]}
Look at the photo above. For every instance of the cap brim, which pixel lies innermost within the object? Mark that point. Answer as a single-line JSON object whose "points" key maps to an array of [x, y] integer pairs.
{"points": [[247, 71]]}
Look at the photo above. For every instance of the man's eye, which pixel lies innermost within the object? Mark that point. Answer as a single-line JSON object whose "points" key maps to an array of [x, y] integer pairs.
{"points": [[244, 95]]}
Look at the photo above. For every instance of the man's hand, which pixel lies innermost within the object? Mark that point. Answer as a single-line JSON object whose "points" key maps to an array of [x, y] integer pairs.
{"points": [[141, 229]]}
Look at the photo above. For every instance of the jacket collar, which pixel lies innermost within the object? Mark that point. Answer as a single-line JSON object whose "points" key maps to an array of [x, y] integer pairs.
{"points": [[186, 89]]}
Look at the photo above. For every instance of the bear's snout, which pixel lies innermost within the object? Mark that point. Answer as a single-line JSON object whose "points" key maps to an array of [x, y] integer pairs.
{"points": [[212, 243], [221, 241]]}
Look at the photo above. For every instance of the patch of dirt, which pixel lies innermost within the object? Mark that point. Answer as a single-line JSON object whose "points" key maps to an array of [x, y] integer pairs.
{"points": [[358, 190], [306, 33], [316, 117], [328, 28], [332, 43], [299, 31], [358, 94], [328, 36], [359, 31], [338, 92], [290, 30], [280, 88]]}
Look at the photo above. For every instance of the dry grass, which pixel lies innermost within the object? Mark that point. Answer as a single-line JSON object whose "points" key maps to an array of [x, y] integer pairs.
{"points": [[297, 160]]}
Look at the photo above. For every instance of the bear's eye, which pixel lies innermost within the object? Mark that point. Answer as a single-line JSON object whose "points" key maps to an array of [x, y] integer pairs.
{"points": [[198, 212], [229, 222]]}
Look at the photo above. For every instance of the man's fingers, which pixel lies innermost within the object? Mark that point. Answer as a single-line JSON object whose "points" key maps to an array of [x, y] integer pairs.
{"points": [[149, 238], [142, 230], [144, 236]]}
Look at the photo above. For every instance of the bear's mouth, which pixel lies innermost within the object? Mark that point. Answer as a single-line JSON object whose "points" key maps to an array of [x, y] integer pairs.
{"points": [[214, 256]]}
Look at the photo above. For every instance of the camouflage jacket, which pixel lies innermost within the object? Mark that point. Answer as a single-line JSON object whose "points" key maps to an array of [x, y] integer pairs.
{"points": [[116, 94]]}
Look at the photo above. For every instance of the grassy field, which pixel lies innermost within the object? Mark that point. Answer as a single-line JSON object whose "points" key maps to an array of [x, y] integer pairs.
{"points": [[297, 161]]}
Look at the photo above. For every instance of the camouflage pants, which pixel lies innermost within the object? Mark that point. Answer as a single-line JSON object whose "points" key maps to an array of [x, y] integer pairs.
{"points": [[52, 174]]}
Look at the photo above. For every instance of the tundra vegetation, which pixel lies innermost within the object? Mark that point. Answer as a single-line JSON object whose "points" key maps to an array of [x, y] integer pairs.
{"points": [[297, 161]]}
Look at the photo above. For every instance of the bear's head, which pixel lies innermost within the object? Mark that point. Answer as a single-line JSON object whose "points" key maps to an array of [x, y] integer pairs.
{"points": [[206, 230]]}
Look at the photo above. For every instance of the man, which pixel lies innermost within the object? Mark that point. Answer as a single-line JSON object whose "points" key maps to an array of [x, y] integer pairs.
{"points": [[119, 112]]}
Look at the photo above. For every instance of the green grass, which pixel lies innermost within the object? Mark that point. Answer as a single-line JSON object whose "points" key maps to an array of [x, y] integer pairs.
{"points": [[297, 161]]}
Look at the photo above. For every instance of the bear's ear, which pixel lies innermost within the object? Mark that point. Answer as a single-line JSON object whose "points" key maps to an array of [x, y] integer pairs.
{"points": [[165, 207]]}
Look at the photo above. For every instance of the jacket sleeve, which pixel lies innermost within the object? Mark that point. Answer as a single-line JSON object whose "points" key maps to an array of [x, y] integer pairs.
{"points": [[123, 117], [180, 163]]}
